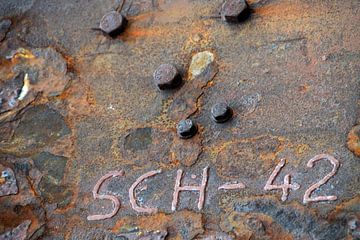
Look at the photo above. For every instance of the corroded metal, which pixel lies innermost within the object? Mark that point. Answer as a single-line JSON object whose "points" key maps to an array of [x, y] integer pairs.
{"points": [[76, 106]]}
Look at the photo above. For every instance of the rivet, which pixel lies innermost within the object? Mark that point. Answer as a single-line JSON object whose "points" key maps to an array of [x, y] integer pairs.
{"points": [[221, 112], [186, 128], [166, 76], [234, 11], [113, 23]]}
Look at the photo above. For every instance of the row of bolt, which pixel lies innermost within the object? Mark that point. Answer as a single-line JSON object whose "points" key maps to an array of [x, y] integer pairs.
{"points": [[232, 11], [166, 76], [220, 113]]}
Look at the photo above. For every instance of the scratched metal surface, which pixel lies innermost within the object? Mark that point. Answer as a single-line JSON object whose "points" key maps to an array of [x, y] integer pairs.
{"points": [[291, 73]]}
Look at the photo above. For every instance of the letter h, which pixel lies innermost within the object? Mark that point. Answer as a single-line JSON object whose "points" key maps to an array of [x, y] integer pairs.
{"points": [[200, 188]]}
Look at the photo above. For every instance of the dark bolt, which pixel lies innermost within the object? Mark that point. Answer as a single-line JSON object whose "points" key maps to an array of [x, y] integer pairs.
{"points": [[113, 23], [166, 76], [221, 112], [186, 128], [234, 11]]}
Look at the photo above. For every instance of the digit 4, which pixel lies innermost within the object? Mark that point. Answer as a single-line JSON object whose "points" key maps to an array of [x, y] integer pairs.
{"points": [[286, 186]]}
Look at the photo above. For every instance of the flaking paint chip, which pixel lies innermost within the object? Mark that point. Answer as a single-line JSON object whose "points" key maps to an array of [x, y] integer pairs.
{"points": [[199, 63]]}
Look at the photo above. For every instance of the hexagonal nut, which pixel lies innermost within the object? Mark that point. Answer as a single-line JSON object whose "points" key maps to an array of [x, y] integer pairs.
{"points": [[166, 76], [234, 11], [186, 128], [112, 23], [221, 112]]}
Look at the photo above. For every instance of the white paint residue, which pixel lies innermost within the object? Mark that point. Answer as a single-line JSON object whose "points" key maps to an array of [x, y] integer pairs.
{"points": [[25, 89], [199, 63]]}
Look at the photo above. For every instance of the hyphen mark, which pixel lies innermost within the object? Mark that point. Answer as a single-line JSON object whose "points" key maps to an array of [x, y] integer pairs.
{"points": [[96, 195], [231, 186], [286, 186], [310, 164], [200, 188], [133, 203]]}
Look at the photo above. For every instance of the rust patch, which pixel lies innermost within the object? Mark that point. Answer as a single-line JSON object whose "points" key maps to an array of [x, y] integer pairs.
{"points": [[302, 149], [262, 150], [354, 140], [185, 103], [287, 10], [11, 218], [180, 225], [277, 53], [351, 205], [18, 233], [47, 69], [253, 226], [186, 151]]}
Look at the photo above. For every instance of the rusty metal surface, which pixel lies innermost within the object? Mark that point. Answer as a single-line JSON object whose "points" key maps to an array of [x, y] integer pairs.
{"points": [[76, 104]]}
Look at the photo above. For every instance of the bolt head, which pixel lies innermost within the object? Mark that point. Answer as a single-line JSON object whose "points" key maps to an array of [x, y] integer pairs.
{"points": [[234, 10], [186, 128], [221, 112], [112, 23], [166, 76]]}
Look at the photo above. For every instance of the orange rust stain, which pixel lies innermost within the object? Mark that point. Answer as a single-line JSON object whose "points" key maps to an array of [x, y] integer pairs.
{"points": [[22, 53], [208, 85], [343, 206], [171, 11], [10, 219], [160, 221], [6, 66], [290, 10], [268, 157], [302, 148], [142, 32], [353, 142], [79, 98], [149, 222], [52, 83], [174, 161], [236, 222], [73, 221], [144, 16], [5, 70], [70, 63], [154, 222], [304, 88], [215, 150]]}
